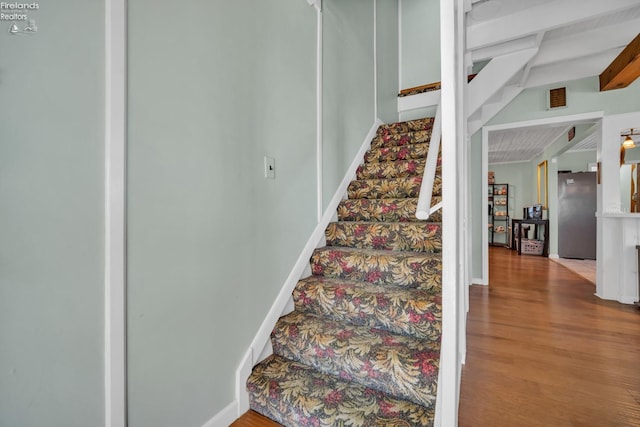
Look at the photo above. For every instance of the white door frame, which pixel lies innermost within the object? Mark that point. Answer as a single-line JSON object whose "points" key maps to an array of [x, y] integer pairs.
{"points": [[569, 119]]}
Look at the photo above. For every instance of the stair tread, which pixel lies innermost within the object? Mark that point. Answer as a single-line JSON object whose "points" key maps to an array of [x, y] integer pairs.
{"points": [[403, 152], [402, 268], [390, 223], [314, 398], [384, 209], [396, 187], [400, 365], [394, 168], [416, 312], [406, 126], [380, 252], [403, 138], [420, 236]]}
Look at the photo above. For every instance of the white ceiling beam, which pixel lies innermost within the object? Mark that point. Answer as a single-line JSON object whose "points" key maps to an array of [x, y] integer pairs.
{"points": [[489, 110], [527, 68], [579, 68], [494, 76], [587, 43], [540, 18], [489, 52]]}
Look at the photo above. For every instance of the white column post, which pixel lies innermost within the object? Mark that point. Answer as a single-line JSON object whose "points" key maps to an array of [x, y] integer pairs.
{"points": [[115, 213]]}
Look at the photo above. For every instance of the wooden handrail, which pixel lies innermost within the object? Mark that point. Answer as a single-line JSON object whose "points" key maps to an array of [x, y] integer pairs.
{"points": [[428, 87]]}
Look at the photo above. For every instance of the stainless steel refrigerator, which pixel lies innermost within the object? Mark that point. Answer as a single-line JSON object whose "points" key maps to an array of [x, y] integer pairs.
{"points": [[577, 205]]}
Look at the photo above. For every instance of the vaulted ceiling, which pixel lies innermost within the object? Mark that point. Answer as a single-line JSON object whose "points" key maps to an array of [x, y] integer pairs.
{"points": [[538, 43]]}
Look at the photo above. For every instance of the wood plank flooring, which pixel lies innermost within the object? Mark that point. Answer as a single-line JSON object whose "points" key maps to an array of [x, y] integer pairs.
{"points": [[253, 419], [543, 351]]}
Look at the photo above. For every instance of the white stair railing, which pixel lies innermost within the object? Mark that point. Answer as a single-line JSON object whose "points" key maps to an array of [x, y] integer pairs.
{"points": [[424, 209]]}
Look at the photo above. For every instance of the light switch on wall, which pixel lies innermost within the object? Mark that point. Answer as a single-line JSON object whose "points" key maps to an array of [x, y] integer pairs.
{"points": [[269, 167]]}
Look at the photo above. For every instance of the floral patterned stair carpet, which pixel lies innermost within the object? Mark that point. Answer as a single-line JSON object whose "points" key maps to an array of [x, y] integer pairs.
{"points": [[362, 346]]}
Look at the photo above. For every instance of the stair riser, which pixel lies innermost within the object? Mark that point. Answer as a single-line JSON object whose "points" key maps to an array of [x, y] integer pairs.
{"points": [[404, 127], [294, 395], [397, 169], [401, 138], [390, 188], [408, 236], [410, 270], [379, 210], [398, 365], [408, 312], [388, 154], [394, 169]]}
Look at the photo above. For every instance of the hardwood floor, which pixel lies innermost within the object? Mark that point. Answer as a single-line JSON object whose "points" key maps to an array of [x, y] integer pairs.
{"points": [[253, 419], [543, 351]]}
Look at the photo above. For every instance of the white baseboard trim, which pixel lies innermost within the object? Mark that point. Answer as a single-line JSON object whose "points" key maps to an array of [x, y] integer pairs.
{"points": [[621, 299], [554, 256], [225, 417], [627, 300], [261, 340], [479, 281]]}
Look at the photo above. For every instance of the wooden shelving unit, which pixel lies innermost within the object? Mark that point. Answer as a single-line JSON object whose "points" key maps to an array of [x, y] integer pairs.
{"points": [[499, 214]]}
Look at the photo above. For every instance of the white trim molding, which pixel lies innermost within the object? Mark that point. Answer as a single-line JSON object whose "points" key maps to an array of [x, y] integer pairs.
{"points": [[452, 237], [420, 100], [115, 213], [319, 107]]}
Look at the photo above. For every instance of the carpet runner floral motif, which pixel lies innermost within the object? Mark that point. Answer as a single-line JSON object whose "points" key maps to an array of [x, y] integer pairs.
{"points": [[362, 346]]}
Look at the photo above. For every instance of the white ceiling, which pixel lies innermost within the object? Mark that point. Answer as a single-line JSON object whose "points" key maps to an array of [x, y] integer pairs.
{"points": [[516, 145], [572, 39]]}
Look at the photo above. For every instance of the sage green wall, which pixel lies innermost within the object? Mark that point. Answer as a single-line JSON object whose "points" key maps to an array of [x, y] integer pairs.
{"points": [[213, 87], [349, 104], [583, 96], [576, 161], [420, 42], [51, 218], [387, 32]]}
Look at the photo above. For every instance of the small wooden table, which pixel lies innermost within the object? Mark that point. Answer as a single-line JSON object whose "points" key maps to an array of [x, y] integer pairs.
{"points": [[536, 224]]}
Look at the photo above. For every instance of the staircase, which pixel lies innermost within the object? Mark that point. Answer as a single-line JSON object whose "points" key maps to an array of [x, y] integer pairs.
{"points": [[362, 347]]}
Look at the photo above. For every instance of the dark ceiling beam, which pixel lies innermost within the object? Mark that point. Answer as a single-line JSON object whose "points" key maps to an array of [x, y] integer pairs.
{"points": [[624, 69]]}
